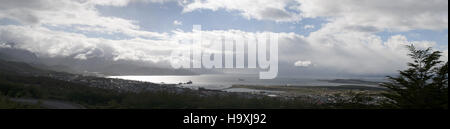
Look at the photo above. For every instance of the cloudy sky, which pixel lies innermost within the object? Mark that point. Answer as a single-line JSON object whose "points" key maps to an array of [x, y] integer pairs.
{"points": [[361, 37]]}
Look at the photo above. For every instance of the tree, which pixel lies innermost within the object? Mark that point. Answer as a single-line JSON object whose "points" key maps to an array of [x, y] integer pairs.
{"points": [[424, 85]]}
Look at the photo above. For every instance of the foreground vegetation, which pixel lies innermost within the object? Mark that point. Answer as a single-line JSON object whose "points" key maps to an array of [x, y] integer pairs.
{"points": [[424, 85], [5, 103]]}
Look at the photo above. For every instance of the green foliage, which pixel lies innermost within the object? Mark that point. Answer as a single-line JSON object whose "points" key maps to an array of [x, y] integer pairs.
{"points": [[424, 85], [5, 103]]}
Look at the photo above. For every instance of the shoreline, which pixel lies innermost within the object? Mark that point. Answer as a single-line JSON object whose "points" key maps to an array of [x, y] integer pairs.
{"points": [[299, 91]]}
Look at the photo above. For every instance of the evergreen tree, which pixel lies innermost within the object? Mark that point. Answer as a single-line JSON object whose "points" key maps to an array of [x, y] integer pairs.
{"points": [[424, 85]]}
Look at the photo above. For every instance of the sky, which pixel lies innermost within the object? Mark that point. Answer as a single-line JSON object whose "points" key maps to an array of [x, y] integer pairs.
{"points": [[358, 37]]}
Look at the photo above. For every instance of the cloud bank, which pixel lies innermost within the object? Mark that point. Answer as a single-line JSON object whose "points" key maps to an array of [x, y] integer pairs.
{"points": [[347, 43]]}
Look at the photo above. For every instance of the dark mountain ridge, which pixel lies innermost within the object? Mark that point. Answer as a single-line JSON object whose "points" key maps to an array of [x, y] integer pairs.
{"points": [[105, 66]]}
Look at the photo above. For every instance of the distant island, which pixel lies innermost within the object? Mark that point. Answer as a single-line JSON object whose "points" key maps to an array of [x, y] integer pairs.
{"points": [[352, 81]]}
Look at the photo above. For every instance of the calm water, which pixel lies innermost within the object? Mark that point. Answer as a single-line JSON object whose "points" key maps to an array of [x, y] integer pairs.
{"points": [[226, 81]]}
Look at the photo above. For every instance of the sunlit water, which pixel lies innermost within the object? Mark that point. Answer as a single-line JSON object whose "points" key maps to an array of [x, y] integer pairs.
{"points": [[220, 82]]}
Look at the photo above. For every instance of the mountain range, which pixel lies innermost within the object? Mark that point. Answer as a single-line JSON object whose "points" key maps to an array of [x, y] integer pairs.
{"points": [[103, 66]]}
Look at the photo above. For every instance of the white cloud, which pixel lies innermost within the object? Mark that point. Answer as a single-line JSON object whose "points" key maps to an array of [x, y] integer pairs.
{"points": [[72, 13], [50, 43], [360, 15], [177, 23], [303, 63], [378, 15], [4, 45], [124, 2], [275, 10], [306, 27]]}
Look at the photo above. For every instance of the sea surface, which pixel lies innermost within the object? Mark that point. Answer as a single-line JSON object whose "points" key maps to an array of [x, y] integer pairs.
{"points": [[224, 81]]}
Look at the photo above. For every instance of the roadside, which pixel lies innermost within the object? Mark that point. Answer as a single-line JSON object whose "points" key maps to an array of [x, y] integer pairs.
{"points": [[48, 104]]}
